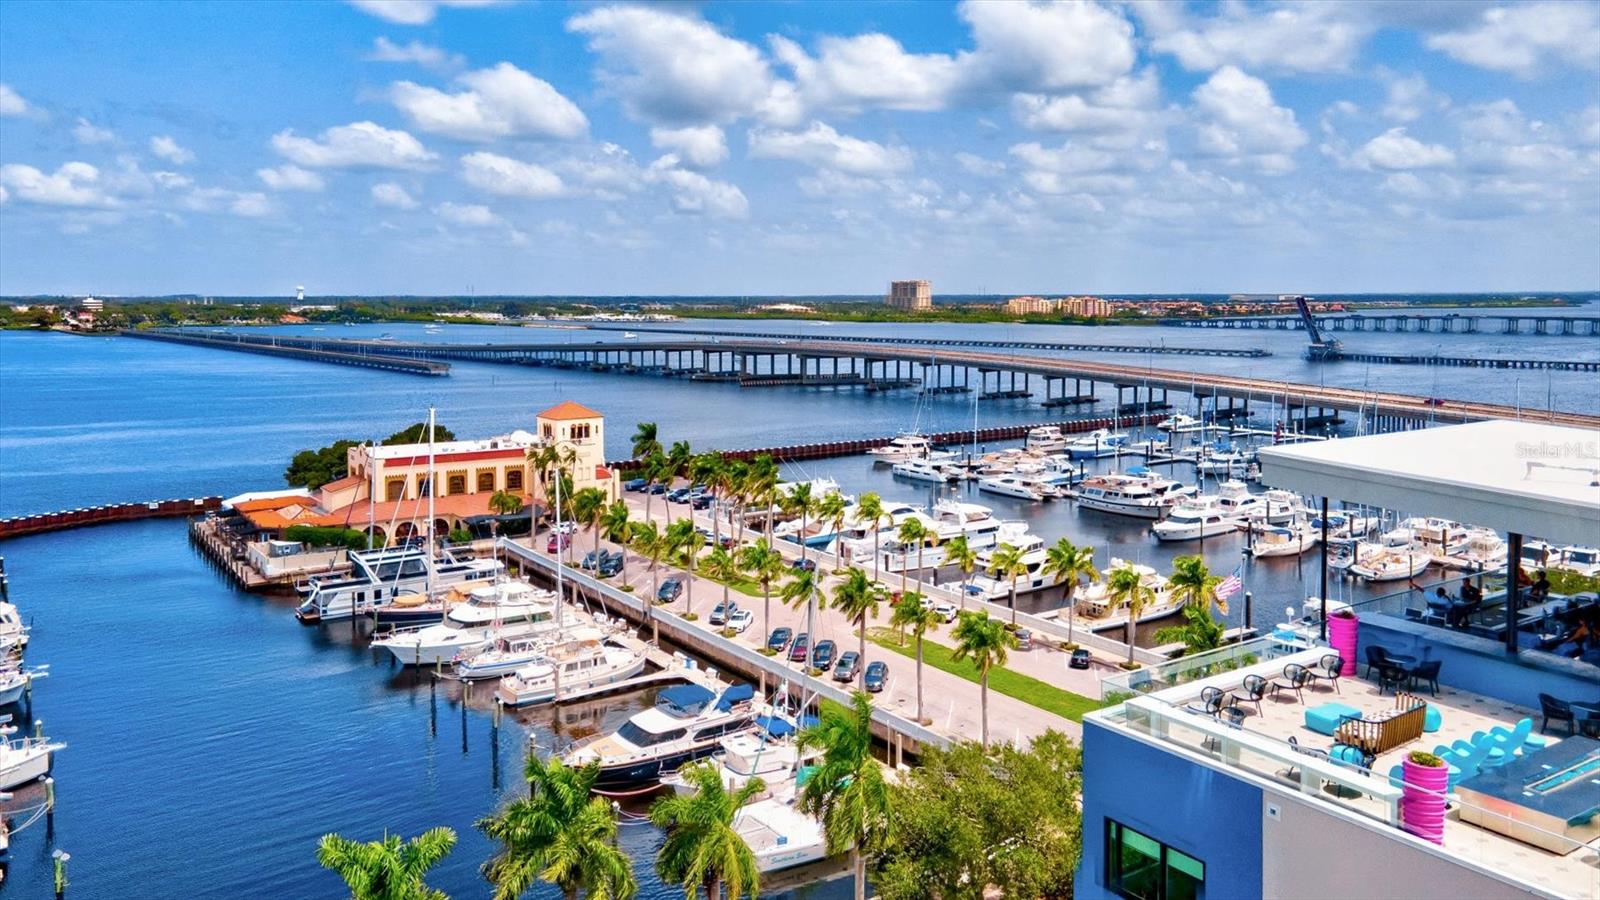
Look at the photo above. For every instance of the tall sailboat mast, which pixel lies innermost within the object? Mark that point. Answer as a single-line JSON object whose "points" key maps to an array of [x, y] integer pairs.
{"points": [[432, 489]]}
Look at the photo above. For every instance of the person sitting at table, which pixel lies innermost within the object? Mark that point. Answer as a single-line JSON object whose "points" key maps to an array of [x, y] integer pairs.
{"points": [[1540, 592], [1471, 593]]}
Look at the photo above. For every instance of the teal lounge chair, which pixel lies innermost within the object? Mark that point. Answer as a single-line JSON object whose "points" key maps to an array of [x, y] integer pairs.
{"points": [[1518, 738]]}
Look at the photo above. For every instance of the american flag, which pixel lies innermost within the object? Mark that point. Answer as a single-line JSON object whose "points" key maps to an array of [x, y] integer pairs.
{"points": [[1230, 585]]}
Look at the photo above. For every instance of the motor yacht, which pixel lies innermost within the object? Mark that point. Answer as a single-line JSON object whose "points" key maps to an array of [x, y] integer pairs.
{"points": [[1484, 550], [1539, 555], [588, 658], [1047, 439], [378, 576], [688, 722], [14, 681], [25, 759], [1230, 461], [1136, 493], [1438, 537], [767, 752], [950, 519], [996, 587], [1346, 527], [1583, 560], [1021, 486], [1097, 444], [13, 632], [1390, 564], [1102, 612], [906, 445], [1178, 422], [508, 610], [1284, 540], [780, 835], [1190, 521], [925, 470]]}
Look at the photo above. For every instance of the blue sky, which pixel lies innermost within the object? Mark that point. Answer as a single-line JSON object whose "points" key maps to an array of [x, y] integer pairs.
{"points": [[422, 147]]}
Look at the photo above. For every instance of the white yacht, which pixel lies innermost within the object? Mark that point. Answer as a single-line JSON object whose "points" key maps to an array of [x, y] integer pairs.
{"points": [[1390, 564], [1020, 486], [1346, 527], [14, 682], [588, 658], [1583, 560], [687, 723], [1230, 461], [1096, 606], [767, 752], [950, 519], [1047, 439], [996, 588], [1484, 550], [13, 632], [907, 445], [378, 576], [1190, 521], [1285, 540], [925, 470], [507, 610], [25, 759], [1539, 555], [1136, 493], [1097, 444], [1178, 422], [780, 835], [1435, 536]]}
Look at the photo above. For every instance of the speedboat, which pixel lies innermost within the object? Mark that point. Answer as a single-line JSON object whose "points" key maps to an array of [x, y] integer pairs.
{"points": [[1285, 540], [906, 445], [1390, 564], [588, 658], [1016, 486], [1178, 422], [1583, 560], [924, 470], [24, 760], [378, 576], [1097, 444], [14, 682], [1136, 493], [1047, 439], [1191, 521], [504, 654], [687, 723], [1102, 612]]}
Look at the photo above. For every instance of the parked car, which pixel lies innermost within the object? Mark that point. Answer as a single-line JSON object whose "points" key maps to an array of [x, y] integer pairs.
{"points": [[678, 495], [849, 662], [719, 615], [1079, 659], [591, 560], [805, 565], [656, 489], [610, 563], [876, 676], [799, 647], [741, 620], [700, 501], [1024, 639], [946, 611], [635, 485], [823, 658], [566, 528], [670, 590], [779, 639], [557, 542]]}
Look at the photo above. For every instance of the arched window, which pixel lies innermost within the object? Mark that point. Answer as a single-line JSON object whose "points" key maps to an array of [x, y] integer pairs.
{"points": [[486, 481], [513, 479], [394, 489], [456, 484]]}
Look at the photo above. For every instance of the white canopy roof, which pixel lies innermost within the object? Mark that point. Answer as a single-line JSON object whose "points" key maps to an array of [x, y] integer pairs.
{"points": [[1531, 478]]}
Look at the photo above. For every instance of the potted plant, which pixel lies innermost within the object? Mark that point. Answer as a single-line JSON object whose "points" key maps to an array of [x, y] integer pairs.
{"points": [[1425, 779], [1343, 627]]}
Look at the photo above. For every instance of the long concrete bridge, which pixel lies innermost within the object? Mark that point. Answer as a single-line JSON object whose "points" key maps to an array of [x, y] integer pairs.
{"points": [[1418, 323], [1066, 382]]}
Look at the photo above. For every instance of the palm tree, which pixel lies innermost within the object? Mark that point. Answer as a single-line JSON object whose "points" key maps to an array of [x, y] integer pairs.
{"points": [[678, 456], [831, 509], [736, 475], [1070, 565], [702, 848], [645, 443], [1198, 633], [847, 792], [1194, 585], [800, 502], [656, 471], [618, 526], [1125, 587], [721, 565], [710, 470], [589, 507], [388, 869], [764, 484], [858, 596], [803, 587], [503, 503], [559, 833], [869, 512], [765, 565], [1008, 562], [910, 613], [959, 553], [685, 541], [911, 531], [984, 641], [652, 544]]}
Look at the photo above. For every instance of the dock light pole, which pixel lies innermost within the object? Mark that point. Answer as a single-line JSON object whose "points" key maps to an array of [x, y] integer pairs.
{"points": [[1513, 589], [1322, 632]]}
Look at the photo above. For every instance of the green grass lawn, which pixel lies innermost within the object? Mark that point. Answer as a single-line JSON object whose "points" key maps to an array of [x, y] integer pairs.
{"points": [[1026, 688]]}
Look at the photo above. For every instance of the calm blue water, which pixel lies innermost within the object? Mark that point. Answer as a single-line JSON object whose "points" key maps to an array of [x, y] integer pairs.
{"points": [[213, 739]]}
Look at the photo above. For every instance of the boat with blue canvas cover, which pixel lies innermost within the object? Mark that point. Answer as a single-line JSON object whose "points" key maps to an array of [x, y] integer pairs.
{"points": [[688, 722]]}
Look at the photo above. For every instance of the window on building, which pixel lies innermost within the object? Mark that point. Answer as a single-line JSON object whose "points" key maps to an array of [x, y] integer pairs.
{"points": [[486, 481], [457, 484], [1142, 868], [424, 486], [394, 489], [513, 479]]}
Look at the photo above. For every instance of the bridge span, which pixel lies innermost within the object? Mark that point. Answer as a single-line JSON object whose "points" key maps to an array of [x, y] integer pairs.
{"points": [[762, 363], [1419, 323]]}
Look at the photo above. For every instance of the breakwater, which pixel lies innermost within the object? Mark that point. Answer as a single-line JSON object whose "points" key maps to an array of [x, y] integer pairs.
{"points": [[101, 515]]}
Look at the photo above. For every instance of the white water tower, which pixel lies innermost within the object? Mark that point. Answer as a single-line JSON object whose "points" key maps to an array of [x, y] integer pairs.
{"points": [[300, 294]]}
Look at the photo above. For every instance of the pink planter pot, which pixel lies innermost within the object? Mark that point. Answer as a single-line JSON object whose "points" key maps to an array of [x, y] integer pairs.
{"points": [[1422, 805], [1342, 633]]}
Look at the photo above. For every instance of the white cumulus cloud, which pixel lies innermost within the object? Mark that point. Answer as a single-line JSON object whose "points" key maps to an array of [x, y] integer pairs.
{"points": [[170, 150], [1395, 150], [820, 146], [89, 133], [1240, 122], [1283, 37], [354, 146], [695, 194], [72, 184], [415, 52], [290, 177], [699, 146], [473, 215], [413, 12], [1527, 39], [868, 71], [509, 177], [13, 104], [495, 103], [1046, 46], [389, 194]]}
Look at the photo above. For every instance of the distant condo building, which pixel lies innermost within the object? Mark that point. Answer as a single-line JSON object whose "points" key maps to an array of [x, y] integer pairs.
{"points": [[912, 295], [1030, 306], [92, 304], [1088, 307], [1083, 307]]}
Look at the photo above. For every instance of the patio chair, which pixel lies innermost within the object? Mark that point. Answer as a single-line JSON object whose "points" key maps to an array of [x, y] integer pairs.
{"points": [[1295, 677], [1557, 711], [1428, 672], [1328, 669], [1293, 773], [1376, 656], [1252, 690], [1211, 702], [1392, 675]]}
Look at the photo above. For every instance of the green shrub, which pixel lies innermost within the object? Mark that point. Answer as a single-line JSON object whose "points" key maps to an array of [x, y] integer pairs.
{"points": [[460, 536], [325, 536]]}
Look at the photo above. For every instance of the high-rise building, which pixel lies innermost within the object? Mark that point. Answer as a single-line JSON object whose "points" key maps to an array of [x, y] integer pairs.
{"points": [[913, 295]]}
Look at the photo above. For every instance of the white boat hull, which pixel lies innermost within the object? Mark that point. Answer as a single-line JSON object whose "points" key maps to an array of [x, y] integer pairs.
{"points": [[1165, 531], [24, 765], [1123, 509], [1119, 619], [544, 691]]}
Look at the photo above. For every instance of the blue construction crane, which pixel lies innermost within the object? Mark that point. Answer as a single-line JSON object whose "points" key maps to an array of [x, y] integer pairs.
{"points": [[1321, 347]]}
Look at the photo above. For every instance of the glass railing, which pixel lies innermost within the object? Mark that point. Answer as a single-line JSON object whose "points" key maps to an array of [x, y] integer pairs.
{"points": [[1184, 669]]}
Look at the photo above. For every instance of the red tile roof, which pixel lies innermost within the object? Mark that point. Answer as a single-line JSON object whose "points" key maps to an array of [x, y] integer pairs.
{"points": [[356, 515], [566, 409], [348, 481]]}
